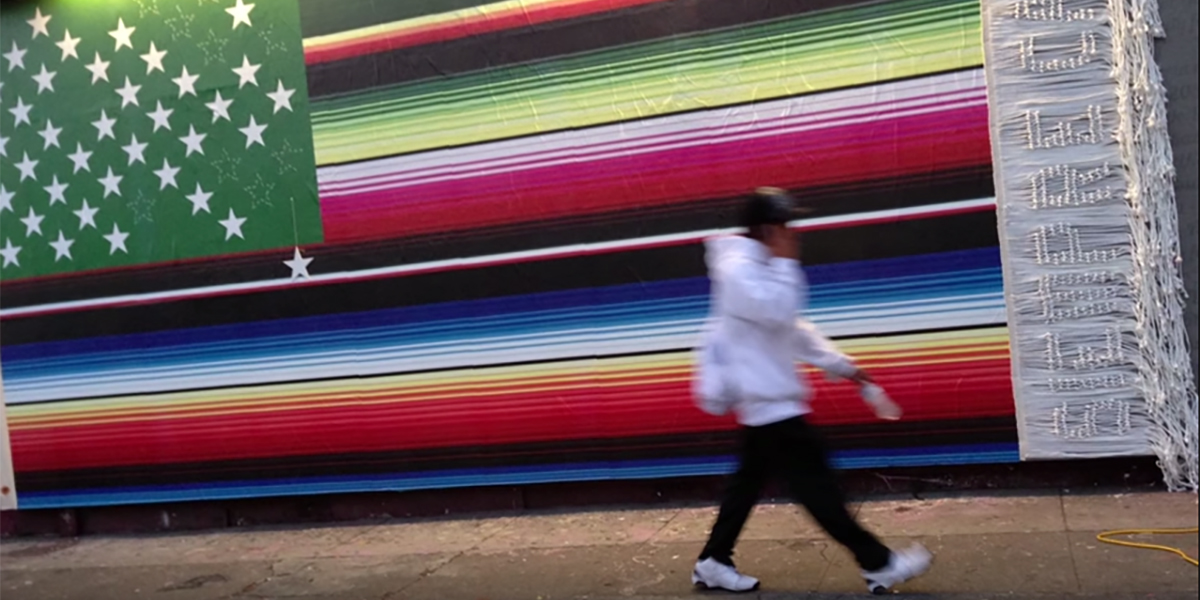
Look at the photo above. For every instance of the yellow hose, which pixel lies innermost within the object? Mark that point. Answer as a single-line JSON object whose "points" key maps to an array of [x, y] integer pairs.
{"points": [[1106, 538]]}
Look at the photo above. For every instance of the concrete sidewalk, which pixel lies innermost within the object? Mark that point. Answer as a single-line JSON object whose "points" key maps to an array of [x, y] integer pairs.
{"points": [[987, 547]]}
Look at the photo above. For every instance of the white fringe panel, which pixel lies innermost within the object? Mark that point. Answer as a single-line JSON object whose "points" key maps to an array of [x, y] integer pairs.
{"points": [[1086, 205]]}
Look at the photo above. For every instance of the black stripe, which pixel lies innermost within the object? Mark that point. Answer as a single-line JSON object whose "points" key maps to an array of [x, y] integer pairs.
{"points": [[885, 240], [844, 437], [865, 196], [321, 17], [588, 33]]}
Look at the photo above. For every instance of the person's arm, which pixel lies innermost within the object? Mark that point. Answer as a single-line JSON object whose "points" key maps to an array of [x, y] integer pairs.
{"points": [[762, 293], [815, 349], [812, 347]]}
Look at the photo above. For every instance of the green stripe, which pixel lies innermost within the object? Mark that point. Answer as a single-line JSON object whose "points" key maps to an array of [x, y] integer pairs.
{"points": [[645, 59], [787, 57]]}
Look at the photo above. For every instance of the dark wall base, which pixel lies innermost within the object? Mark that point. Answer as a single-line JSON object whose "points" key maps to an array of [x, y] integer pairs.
{"points": [[1125, 473]]}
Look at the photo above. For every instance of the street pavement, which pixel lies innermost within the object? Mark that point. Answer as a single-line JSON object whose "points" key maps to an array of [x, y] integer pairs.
{"points": [[1036, 547]]}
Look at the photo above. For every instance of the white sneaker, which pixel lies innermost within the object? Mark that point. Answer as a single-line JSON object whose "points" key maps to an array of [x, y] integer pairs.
{"points": [[714, 575], [903, 565]]}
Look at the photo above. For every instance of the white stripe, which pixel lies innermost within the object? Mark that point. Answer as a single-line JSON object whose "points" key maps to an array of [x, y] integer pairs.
{"points": [[694, 128], [482, 261]]}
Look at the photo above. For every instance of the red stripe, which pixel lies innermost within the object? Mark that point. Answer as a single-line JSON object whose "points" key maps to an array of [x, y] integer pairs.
{"points": [[888, 148], [466, 26], [979, 388]]}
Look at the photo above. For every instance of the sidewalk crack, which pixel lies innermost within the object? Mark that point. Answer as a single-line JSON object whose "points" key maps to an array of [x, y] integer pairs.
{"points": [[667, 523], [1062, 506], [437, 567]]}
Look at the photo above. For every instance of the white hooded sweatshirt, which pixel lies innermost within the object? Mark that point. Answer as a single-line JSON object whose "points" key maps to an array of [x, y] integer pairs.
{"points": [[746, 360]]}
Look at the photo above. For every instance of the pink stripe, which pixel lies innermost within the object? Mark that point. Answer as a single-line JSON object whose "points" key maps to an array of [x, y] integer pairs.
{"points": [[642, 164]]}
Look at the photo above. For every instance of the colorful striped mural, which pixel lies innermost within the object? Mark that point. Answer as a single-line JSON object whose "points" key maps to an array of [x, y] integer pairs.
{"points": [[512, 200]]}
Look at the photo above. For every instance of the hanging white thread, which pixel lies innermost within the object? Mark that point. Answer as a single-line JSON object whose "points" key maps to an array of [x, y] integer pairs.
{"points": [[1087, 218]]}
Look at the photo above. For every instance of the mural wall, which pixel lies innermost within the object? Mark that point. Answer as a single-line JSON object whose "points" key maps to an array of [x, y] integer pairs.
{"points": [[271, 248]]}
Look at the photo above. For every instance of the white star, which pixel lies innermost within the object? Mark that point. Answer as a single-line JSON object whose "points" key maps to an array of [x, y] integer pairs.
{"points": [[80, 158], [253, 132], [87, 216], [3, 146], [21, 112], [6, 198], [233, 225], [62, 247], [282, 97], [219, 107], [128, 94], [298, 265], [161, 116], [33, 223], [134, 150], [10, 252], [153, 59], [50, 135], [193, 140], [45, 80], [241, 14], [99, 69], [199, 200], [246, 72], [111, 183], [122, 35], [57, 191], [16, 58], [116, 241], [166, 176], [67, 45], [186, 82], [27, 166], [105, 126], [38, 23]]}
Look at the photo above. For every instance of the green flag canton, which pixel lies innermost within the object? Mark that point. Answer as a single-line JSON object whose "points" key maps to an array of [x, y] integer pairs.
{"points": [[147, 131]]}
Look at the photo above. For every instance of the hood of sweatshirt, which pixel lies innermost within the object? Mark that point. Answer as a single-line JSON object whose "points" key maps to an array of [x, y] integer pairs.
{"points": [[724, 247]]}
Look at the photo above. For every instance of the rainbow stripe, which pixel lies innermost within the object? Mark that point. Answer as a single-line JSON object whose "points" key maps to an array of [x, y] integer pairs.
{"points": [[583, 399], [798, 142], [514, 195], [956, 289]]}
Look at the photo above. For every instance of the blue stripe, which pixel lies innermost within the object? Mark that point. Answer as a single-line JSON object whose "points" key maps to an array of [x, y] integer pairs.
{"points": [[594, 471], [917, 280]]}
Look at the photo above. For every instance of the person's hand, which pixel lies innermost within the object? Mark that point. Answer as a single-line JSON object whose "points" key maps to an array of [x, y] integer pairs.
{"points": [[885, 408]]}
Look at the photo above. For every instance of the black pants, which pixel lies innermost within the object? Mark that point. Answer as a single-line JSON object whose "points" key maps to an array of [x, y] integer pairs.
{"points": [[795, 451]]}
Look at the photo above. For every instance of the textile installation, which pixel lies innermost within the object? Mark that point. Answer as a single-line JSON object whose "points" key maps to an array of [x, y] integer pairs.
{"points": [[272, 248], [1088, 221]]}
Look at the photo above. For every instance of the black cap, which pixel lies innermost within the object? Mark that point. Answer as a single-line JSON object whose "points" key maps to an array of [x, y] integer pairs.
{"points": [[770, 206]]}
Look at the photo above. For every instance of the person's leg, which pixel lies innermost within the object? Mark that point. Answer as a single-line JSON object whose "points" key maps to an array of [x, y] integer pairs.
{"points": [[813, 483], [741, 494]]}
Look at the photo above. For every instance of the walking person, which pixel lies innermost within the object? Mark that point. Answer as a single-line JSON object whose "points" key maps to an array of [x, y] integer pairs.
{"points": [[746, 364]]}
